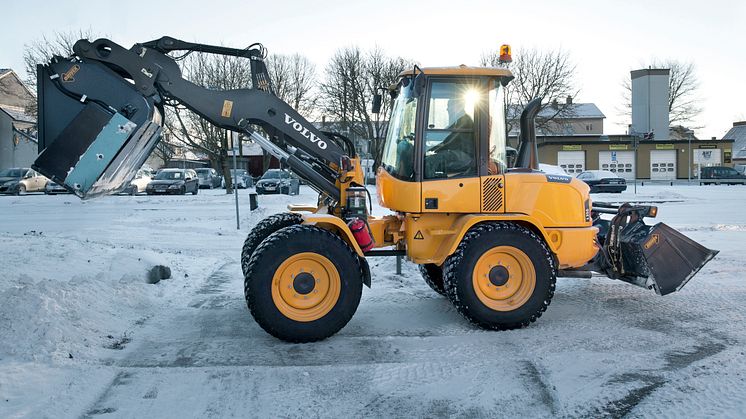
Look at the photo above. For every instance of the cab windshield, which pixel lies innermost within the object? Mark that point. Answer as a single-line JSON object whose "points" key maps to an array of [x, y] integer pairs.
{"points": [[398, 150]]}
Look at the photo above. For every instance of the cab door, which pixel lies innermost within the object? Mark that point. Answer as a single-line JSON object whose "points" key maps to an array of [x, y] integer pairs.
{"points": [[449, 146], [493, 150]]}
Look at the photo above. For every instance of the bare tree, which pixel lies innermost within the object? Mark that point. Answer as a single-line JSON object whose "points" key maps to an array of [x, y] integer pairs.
{"points": [[189, 129], [549, 74], [41, 50], [165, 149], [683, 91], [352, 77], [294, 80]]}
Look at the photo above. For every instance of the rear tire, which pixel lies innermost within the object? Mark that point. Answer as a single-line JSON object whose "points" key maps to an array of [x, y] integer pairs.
{"points": [[502, 276], [263, 230], [433, 276], [303, 284]]}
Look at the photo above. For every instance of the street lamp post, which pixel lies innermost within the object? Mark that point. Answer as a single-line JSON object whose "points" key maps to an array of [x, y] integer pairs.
{"points": [[235, 176], [689, 162], [636, 143]]}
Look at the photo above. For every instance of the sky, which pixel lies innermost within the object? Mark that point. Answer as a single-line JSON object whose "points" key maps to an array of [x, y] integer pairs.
{"points": [[605, 39]]}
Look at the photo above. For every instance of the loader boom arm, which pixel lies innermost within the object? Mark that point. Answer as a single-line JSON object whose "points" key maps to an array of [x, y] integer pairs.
{"points": [[318, 158]]}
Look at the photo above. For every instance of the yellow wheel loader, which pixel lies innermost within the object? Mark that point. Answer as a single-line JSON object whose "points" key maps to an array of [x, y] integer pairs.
{"points": [[491, 236]]}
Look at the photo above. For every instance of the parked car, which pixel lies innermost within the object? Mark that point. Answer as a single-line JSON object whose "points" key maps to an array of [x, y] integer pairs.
{"points": [[240, 178], [173, 181], [208, 178], [603, 181], [53, 188], [20, 180], [721, 174], [740, 168], [139, 183], [278, 181]]}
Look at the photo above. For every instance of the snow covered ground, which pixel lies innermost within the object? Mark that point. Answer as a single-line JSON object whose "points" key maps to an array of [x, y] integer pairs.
{"points": [[83, 335]]}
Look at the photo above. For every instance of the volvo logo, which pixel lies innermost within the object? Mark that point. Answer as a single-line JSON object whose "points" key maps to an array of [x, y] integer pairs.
{"points": [[305, 132]]}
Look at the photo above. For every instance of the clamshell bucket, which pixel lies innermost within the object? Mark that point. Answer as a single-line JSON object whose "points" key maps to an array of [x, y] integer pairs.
{"points": [[658, 257], [95, 129]]}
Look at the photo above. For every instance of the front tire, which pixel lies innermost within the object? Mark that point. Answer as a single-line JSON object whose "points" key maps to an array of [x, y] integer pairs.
{"points": [[502, 276], [303, 284], [21, 190]]}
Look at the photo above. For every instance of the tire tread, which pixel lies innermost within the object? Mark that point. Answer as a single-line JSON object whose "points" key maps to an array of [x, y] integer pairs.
{"points": [[280, 238], [451, 265]]}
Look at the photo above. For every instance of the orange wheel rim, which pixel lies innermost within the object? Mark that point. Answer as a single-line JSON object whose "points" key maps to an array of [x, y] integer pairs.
{"points": [[305, 287], [504, 278]]}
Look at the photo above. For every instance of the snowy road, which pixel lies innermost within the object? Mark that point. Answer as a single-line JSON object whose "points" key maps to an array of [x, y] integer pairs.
{"points": [[82, 335]]}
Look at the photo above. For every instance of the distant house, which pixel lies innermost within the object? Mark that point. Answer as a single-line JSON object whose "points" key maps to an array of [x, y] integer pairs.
{"points": [[681, 133], [17, 128], [564, 119], [738, 135]]}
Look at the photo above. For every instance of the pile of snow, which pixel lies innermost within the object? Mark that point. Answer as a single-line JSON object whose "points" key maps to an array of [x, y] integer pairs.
{"points": [[64, 315]]}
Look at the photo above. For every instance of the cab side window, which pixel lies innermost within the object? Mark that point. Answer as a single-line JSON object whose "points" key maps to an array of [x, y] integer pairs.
{"points": [[449, 140]]}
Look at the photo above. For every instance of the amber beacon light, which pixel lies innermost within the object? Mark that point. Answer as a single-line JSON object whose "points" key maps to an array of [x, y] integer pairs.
{"points": [[505, 55]]}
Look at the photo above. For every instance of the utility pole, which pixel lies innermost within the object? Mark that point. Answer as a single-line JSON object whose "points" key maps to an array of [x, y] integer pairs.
{"points": [[689, 161], [234, 140], [636, 140]]}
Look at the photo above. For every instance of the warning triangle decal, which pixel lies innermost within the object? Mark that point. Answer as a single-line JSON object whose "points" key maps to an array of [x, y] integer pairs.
{"points": [[418, 235]]}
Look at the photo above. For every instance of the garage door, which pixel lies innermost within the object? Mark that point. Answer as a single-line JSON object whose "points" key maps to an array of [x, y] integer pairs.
{"points": [[620, 162], [572, 161], [663, 164]]}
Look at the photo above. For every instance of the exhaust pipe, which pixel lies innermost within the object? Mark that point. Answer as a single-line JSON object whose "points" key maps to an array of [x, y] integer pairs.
{"points": [[528, 153]]}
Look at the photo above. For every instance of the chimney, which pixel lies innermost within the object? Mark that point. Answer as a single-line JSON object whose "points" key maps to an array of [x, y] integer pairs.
{"points": [[650, 102], [569, 100]]}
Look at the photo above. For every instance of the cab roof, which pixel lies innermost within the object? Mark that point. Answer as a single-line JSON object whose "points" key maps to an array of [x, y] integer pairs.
{"points": [[462, 70]]}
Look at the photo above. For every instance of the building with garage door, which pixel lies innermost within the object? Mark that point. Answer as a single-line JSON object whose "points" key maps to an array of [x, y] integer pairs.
{"points": [[651, 150], [656, 160]]}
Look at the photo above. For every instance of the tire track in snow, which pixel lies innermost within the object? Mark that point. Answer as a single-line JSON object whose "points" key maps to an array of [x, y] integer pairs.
{"points": [[102, 405]]}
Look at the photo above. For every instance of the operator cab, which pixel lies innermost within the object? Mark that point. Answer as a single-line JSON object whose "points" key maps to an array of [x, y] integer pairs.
{"points": [[445, 136]]}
